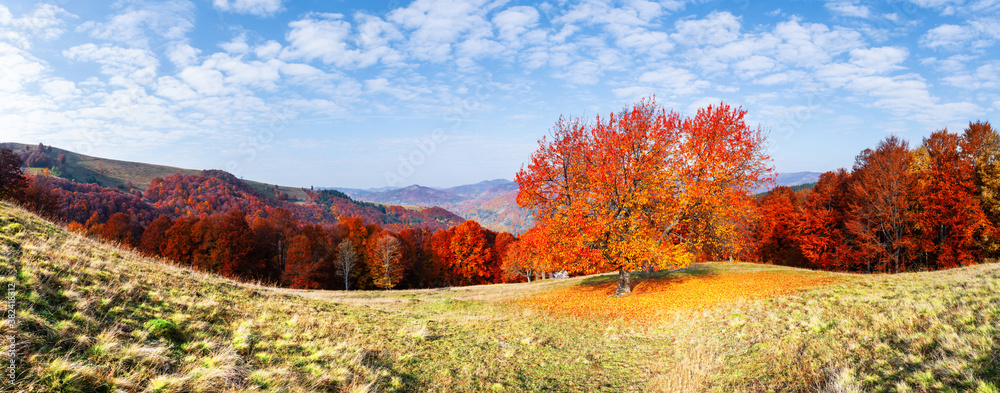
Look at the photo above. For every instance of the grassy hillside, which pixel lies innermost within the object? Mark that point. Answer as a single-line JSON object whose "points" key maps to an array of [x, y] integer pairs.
{"points": [[95, 318], [115, 173]]}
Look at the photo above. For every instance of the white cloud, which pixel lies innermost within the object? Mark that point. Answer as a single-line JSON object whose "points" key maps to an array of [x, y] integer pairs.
{"points": [[60, 89], [716, 29], [254, 7], [813, 44], [125, 66], [268, 50], [19, 68], [977, 33], [848, 9], [986, 76], [173, 89], [879, 60], [182, 54], [435, 26], [331, 39], [237, 46], [755, 65], [782, 78], [44, 22], [947, 36], [908, 95], [138, 24], [514, 22], [674, 81]]}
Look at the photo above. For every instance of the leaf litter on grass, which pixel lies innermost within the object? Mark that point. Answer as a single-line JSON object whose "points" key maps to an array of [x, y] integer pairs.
{"points": [[652, 298]]}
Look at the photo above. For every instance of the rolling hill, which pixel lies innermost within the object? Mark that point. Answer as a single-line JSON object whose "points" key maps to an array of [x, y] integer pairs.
{"points": [[110, 173], [86, 185], [492, 203], [91, 317]]}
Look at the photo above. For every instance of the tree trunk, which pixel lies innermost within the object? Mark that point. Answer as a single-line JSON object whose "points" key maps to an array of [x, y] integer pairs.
{"points": [[624, 282]]}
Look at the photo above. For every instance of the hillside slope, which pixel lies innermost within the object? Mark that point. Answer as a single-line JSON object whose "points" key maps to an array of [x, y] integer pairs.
{"points": [[117, 174], [95, 318]]}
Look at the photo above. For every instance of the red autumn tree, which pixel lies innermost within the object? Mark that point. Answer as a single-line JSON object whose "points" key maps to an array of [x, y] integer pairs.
{"points": [[271, 238], [503, 241], [472, 254], [415, 256], [880, 212], [232, 246], [527, 257], [625, 192], [821, 235], [154, 237], [120, 228], [180, 241], [310, 259], [776, 229], [12, 179], [437, 271]]}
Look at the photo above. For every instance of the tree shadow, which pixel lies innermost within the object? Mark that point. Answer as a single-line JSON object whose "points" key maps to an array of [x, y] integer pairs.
{"points": [[602, 282]]}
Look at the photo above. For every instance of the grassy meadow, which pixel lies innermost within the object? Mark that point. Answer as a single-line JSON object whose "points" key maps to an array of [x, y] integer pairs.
{"points": [[91, 317]]}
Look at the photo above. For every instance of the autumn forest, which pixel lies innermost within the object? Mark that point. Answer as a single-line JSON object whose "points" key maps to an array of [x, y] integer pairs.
{"points": [[641, 189]]}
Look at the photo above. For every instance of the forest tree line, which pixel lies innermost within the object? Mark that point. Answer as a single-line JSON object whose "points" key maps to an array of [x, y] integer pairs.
{"points": [[934, 206], [216, 223]]}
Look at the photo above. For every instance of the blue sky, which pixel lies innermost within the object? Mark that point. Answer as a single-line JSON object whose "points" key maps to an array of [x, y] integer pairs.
{"points": [[441, 92]]}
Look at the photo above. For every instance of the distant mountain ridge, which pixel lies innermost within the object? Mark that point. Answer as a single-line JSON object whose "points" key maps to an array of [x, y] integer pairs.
{"points": [[796, 178], [492, 203]]}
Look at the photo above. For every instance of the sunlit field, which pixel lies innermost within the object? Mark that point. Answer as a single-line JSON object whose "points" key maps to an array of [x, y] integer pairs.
{"points": [[94, 318], [659, 295]]}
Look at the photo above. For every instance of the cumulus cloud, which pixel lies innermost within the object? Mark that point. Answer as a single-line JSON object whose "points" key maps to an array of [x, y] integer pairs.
{"points": [[674, 81], [977, 33], [125, 66], [716, 29], [333, 40], [44, 22], [947, 36], [143, 23], [434, 27], [849, 9], [254, 7], [20, 68]]}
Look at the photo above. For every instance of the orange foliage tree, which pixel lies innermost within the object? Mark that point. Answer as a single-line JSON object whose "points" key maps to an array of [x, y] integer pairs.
{"points": [[980, 145], [950, 217], [472, 254], [527, 257], [386, 267], [626, 191]]}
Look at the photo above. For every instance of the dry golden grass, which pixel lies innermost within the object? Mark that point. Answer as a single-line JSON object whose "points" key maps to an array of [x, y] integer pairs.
{"points": [[656, 297], [95, 318]]}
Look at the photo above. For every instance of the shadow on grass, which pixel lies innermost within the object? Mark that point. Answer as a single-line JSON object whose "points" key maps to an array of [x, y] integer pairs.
{"points": [[670, 275]]}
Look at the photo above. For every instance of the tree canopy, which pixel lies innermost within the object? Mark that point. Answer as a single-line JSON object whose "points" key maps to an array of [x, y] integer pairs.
{"points": [[636, 189]]}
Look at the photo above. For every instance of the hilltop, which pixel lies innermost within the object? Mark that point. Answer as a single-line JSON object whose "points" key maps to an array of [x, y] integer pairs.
{"points": [[92, 317]]}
